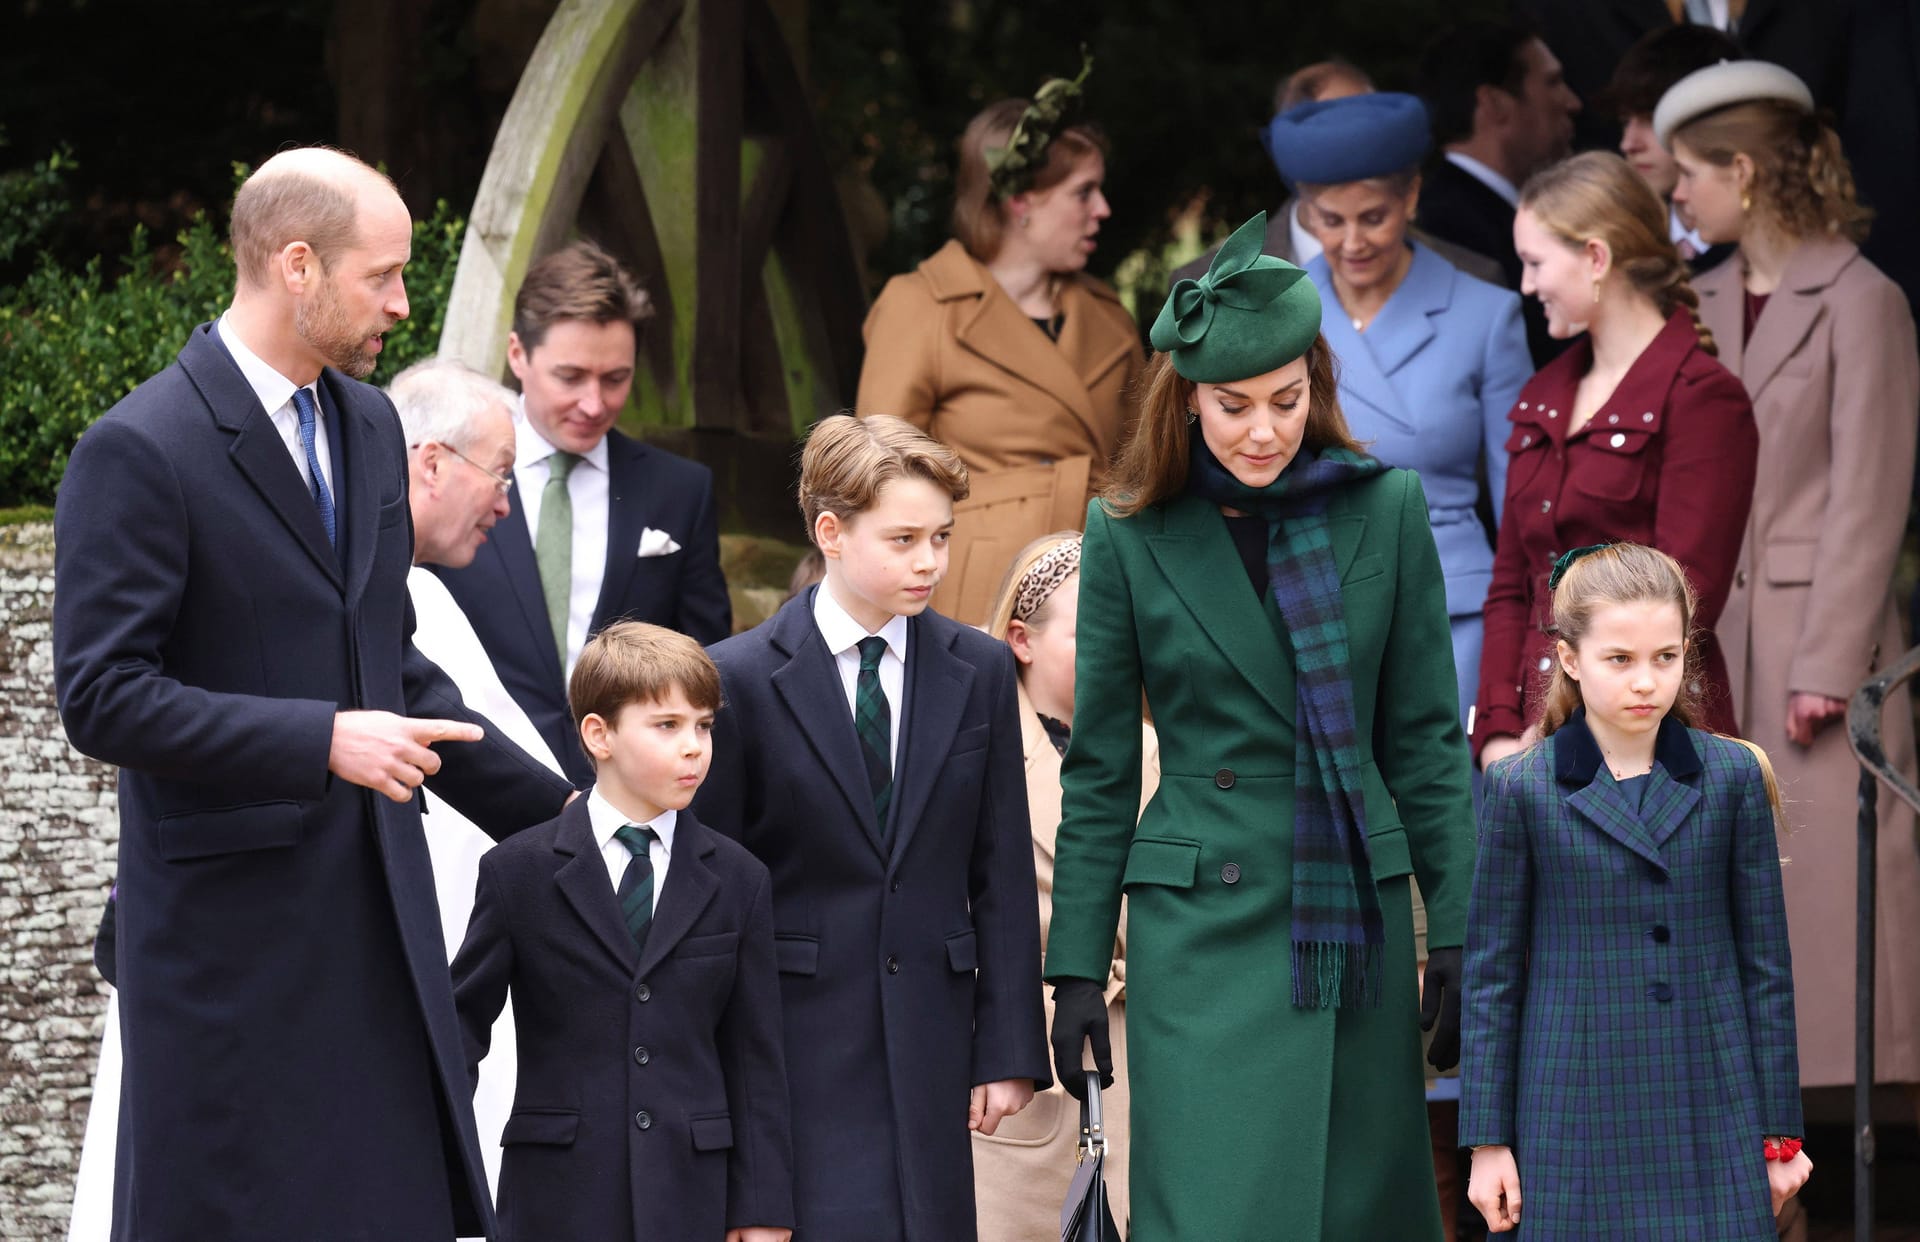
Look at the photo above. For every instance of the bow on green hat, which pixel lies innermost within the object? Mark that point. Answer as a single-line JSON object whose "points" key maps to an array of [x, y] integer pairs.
{"points": [[1250, 314]]}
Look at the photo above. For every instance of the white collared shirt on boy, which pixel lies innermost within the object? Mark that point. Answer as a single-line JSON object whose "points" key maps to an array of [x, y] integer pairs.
{"points": [[843, 635], [606, 820], [589, 487]]}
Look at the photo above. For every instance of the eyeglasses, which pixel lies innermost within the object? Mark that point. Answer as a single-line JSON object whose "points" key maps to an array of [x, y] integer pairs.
{"points": [[501, 483]]}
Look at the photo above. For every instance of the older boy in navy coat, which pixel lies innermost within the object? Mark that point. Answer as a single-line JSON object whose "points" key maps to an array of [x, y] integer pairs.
{"points": [[869, 754], [651, 1099]]}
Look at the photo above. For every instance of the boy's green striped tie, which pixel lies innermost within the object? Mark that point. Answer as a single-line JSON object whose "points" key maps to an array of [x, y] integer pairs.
{"points": [[873, 720], [636, 886]]}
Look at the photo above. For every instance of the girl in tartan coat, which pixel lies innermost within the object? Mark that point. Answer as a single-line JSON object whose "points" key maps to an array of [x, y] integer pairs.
{"points": [[1629, 1062]]}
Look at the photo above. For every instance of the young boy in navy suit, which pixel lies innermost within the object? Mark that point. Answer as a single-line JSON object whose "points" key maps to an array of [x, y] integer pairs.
{"points": [[869, 754], [651, 1100]]}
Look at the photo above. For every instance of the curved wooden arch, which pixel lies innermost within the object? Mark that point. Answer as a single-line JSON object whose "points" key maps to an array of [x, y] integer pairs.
{"points": [[678, 134]]}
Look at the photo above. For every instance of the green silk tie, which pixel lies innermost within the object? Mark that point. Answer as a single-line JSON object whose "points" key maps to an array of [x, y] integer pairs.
{"points": [[636, 886], [873, 721], [553, 547]]}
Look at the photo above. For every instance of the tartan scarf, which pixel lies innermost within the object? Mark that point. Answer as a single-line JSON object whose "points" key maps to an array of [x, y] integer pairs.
{"points": [[1338, 937]]}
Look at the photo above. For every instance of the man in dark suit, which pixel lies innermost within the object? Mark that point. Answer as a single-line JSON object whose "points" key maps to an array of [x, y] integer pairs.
{"points": [[231, 628], [604, 527], [638, 945], [869, 753], [1501, 111]]}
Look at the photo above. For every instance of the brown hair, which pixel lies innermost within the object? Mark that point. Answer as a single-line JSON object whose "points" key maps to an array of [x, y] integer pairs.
{"points": [[1620, 573], [848, 460], [1800, 175], [1307, 83], [634, 662], [1000, 616], [979, 214], [1153, 466], [276, 207], [1596, 196], [580, 281]]}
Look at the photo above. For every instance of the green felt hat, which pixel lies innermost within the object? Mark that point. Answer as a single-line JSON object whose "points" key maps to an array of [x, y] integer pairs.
{"points": [[1250, 314]]}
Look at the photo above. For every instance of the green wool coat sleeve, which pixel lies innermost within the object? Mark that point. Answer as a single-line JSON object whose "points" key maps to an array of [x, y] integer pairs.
{"points": [[1100, 779], [1418, 745]]}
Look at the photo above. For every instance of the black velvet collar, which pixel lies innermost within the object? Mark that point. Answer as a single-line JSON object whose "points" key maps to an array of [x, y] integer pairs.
{"points": [[1577, 758]]}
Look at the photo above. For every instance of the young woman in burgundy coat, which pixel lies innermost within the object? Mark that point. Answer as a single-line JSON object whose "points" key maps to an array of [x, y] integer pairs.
{"points": [[1636, 433]]}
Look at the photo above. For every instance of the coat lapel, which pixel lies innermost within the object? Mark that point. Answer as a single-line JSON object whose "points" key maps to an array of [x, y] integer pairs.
{"points": [[1405, 325], [1720, 310], [1601, 804], [258, 452], [628, 507], [1794, 309], [1665, 804], [810, 686], [514, 545], [937, 683], [690, 887], [1361, 376], [356, 521], [1092, 354], [584, 882]]}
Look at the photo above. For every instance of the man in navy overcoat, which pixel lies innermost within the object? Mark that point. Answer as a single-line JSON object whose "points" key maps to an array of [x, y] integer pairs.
{"points": [[231, 628]]}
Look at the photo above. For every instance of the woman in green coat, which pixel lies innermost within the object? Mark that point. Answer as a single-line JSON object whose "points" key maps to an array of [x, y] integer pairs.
{"points": [[1277, 596]]}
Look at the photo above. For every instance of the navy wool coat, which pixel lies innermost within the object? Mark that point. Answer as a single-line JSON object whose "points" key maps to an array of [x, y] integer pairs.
{"points": [[648, 488], [910, 957], [292, 1063], [1628, 1021], [650, 1098]]}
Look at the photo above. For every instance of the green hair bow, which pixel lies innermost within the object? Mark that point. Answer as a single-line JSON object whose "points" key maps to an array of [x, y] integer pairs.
{"points": [[1561, 566]]}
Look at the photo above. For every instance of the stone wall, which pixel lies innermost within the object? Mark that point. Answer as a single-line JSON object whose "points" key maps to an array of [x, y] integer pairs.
{"points": [[58, 832]]}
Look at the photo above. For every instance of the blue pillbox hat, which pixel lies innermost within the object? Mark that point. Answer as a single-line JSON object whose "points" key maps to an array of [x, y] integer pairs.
{"points": [[1335, 141]]}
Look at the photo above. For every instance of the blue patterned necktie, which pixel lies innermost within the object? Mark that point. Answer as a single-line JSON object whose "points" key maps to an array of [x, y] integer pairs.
{"points": [[322, 496], [873, 721], [636, 886]]}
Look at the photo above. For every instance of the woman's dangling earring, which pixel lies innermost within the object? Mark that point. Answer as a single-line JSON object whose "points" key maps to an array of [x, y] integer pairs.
{"points": [[1596, 292], [1746, 200], [1193, 416]]}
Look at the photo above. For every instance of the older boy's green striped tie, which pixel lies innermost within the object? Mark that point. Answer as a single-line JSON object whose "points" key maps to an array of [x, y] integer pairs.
{"points": [[636, 886], [873, 720]]}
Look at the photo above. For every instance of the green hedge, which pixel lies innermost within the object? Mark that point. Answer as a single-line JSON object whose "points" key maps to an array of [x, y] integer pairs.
{"points": [[74, 342]]}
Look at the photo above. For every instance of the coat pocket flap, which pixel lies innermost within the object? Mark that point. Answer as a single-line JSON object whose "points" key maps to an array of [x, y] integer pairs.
{"points": [[228, 830], [711, 1133], [797, 955], [1790, 561], [718, 943], [963, 952], [1161, 860], [549, 1129], [1389, 853]]}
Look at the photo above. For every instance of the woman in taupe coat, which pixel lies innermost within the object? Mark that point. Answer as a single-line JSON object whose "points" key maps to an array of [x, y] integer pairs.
{"points": [[1825, 344], [1003, 348]]}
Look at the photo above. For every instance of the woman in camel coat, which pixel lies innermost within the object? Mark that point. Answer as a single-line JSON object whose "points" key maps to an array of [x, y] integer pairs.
{"points": [[1021, 1171], [1002, 347], [1825, 344]]}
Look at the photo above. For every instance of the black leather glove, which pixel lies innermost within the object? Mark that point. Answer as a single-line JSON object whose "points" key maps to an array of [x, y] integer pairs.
{"points": [[1080, 1015], [1440, 1007]]}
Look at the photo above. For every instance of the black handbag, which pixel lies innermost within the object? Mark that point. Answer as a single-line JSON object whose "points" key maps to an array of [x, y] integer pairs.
{"points": [[1087, 1216]]}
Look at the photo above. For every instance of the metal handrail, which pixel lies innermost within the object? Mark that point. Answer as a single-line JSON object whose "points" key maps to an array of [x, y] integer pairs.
{"points": [[1864, 713]]}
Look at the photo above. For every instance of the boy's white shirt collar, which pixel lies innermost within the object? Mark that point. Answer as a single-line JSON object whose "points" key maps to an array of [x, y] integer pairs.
{"points": [[842, 632], [607, 819]]}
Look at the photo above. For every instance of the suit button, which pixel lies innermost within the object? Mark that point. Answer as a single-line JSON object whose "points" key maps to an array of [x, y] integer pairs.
{"points": [[1661, 992], [643, 994], [893, 965], [1230, 874], [896, 886], [1660, 933], [1224, 778], [643, 1119], [641, 1056]]}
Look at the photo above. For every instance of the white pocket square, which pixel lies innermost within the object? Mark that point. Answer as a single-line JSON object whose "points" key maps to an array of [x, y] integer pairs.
{"points": [[657, 543]]}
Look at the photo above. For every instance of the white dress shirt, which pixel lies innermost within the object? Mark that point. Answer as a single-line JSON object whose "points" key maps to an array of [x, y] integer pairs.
{"points": [[843, 635], [606, 821], [589, 486], [1677, 232], [275, 392], [1486, 176]]}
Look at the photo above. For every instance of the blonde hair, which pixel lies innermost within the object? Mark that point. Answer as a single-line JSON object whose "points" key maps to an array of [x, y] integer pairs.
{"points": [[634, 662], [1153, 465], [848, 460], [1596, 196], [1800, 173], [979, 214], [1000, 616]]}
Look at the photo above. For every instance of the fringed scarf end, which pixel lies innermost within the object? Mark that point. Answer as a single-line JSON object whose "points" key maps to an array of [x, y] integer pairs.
{"points": [[1335, 974]]}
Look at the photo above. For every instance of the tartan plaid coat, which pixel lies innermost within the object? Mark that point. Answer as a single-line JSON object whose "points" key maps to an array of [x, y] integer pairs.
{"points": [[1252, 1119], [1628, 1026]]}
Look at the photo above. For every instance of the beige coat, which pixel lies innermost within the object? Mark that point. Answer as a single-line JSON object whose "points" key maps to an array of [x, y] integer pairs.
{"points": [[1835, 383], [1020, 1174], [950, 352]]}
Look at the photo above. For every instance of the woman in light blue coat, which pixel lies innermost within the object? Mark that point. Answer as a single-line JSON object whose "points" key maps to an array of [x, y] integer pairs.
{"points": [[1431, 359]]}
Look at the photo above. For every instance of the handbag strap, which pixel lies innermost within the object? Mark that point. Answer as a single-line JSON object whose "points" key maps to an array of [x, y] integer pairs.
{"points": [[1093, 1133]]}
